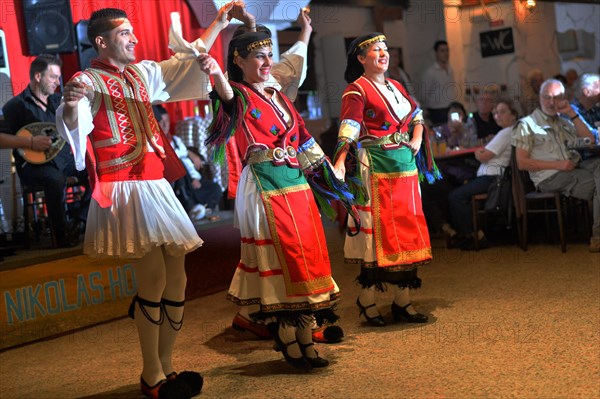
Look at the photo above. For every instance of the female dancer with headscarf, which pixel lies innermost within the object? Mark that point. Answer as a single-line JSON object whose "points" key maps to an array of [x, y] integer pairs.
{"points": [[379, 142], [274, 163]]}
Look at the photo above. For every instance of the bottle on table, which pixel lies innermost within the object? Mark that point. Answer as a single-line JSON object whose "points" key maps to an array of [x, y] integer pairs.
{"points": [[469, 138]]}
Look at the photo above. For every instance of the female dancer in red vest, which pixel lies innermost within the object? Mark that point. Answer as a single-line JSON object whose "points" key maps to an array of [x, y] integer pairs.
{"points": [[284, 266], [380, 136]]}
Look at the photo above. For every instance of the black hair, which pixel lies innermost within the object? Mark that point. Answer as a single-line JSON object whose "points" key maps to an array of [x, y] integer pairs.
{"points": [[41, 63], [458, 105], [562, 78], [439, 43], [159, 111], [354, 69], [242, 37], [240, 30], [97, 26]]}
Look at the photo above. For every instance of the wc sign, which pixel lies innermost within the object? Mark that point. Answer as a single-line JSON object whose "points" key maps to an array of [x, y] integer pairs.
{"points": [[497, 42]]}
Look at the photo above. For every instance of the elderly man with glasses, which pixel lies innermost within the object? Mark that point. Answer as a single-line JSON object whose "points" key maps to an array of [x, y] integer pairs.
{"points": [[540, 140]]}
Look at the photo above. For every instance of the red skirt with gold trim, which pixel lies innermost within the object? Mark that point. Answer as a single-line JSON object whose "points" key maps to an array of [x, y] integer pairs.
{"points": [[393, 231], [284, 263]]}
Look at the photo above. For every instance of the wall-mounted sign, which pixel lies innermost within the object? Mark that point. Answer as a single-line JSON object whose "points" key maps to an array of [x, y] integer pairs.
{"points": [[496, 42]]}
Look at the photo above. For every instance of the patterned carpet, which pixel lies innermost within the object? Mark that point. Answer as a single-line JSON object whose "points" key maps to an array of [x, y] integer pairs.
{"points": [[503, 324]]}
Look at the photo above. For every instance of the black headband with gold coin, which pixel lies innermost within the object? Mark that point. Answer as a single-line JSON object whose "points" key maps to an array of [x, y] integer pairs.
{"points": [[368, 42], [259, 44], [254, 45]]}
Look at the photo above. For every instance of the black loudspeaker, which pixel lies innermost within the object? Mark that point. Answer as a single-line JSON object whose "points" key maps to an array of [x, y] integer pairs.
{"points": [[49, 26], [85, 50], [6, 90]]}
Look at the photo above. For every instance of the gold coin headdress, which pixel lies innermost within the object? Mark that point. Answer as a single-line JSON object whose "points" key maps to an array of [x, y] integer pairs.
{"points": [[368, 42]]}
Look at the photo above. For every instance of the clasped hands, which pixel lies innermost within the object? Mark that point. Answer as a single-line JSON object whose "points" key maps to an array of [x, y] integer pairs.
{"points": [[237, 9], [74, 91]]}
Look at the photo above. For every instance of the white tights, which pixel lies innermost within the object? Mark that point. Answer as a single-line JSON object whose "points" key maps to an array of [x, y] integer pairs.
{"points": [[158, 276]]}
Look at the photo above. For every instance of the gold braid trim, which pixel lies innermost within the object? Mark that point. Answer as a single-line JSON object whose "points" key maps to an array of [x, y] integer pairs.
{"points": [[351, 92]]}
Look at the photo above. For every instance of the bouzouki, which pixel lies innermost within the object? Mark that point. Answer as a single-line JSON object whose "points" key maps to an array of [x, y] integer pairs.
{"points": [[37, 129]]}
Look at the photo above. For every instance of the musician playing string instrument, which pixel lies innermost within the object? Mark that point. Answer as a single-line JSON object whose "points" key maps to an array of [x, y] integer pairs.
{"points": [[38, 103]]}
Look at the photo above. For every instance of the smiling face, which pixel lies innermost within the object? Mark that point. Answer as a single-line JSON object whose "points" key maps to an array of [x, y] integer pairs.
{"points": [[48, 80], [256, 67], [375, 59], [118, 46]]}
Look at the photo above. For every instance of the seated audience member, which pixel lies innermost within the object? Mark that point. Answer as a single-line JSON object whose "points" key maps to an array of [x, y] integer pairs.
{"points": [[435, 206], [540, 139], [586, 101], [459, 170], [531, 93], [209, 193], [571, 75], [452, 131], [494, 158], [180, 186], [484, 121], [454, 171], [561, 78]]}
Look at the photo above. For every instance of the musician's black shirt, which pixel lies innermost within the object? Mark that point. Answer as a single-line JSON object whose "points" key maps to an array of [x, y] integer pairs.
{"points": [[22, 110]]}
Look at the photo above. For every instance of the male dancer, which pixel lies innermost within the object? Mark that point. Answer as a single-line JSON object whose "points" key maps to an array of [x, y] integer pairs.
{"points": [[134, 214]]}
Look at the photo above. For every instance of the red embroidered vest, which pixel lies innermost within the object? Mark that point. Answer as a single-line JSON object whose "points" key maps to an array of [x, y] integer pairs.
{"points": [[377, 117], [265, 128], [124, 124]]}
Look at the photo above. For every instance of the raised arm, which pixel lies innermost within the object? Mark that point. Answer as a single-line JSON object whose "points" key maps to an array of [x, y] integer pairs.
{"points": [[240, 12], [209, 66], [304, 22], [73, 92], [209, 36], [582, 128]]}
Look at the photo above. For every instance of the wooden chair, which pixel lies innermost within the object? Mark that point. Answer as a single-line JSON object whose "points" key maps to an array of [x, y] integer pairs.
{"points": [[528, 201], [34, 214], [477, 202]]}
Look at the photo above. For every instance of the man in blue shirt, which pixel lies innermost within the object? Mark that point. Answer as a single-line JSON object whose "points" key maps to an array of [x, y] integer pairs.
{"points": [[587, 99]]}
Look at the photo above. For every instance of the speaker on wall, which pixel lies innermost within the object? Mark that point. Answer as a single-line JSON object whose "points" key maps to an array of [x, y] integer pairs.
{"points": [[6, 91], [49, 26], [85, 50]]}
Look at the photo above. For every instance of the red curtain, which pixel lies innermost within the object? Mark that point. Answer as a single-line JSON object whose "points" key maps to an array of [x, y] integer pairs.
{"points": [[150, 20]]}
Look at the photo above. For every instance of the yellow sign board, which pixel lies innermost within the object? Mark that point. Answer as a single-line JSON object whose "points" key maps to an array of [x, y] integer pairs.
{"points": [[60, 296]]}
